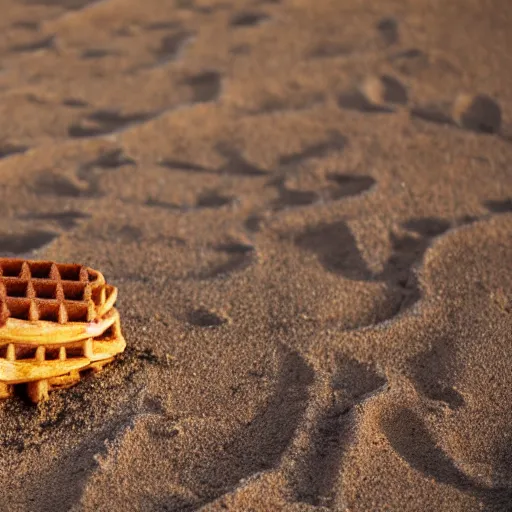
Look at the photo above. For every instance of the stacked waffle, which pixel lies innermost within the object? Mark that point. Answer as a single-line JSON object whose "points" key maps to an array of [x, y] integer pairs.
{"points": [[56, 321]]}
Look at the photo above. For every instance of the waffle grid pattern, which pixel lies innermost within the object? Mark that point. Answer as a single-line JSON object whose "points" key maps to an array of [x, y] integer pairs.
{"points": [[48, 291]]}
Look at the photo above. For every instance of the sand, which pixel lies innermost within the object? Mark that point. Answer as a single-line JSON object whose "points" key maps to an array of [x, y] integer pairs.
{"points": [[307, 208]]}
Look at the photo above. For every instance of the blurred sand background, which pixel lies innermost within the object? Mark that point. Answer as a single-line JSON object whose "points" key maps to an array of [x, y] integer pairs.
{"points": [[306, 206]]}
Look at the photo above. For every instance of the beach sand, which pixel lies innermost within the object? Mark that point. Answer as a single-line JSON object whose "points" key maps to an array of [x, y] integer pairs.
{"points": [[307, 209]]}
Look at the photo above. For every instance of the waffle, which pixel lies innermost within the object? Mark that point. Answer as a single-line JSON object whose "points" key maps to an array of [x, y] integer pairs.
{"points": [[56, 321], [4, 312]]}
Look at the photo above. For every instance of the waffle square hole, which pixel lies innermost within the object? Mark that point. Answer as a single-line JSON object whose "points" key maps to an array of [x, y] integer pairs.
{"points": [[25, 353], [109, 334], [45, 290], [49, 311], [16, 288], [74, 291], [77, 312], [11, 268], [70, 272], [52, 354], [74, 352], [19, 308], [40, 269], [92, 275], [98, 296]]}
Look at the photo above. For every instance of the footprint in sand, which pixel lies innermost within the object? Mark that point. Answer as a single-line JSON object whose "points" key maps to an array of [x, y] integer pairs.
{"points": [[65, 220], [205, 86], [45, 228], [182, 165], [334, 142], [409, 62], [317, 470], [375, 94], [204, 317], [7, 150], [46, 43], [290, 196], [286, 103], [336, 249], [31, 26], [476, 113], [411, 439], [248, 19], [346, 185], [254, 222], [383, 94], [88, 176], [66, 4], [172, 46], [207, 199], [265, 438], [98, 53], [328, 50], [234, 256], [213, 199], [335, 186], [235, 164], [75, 103], [102, 122], [388, 30], [504, 206], [25, 243], [163, 25], [48, 183]]}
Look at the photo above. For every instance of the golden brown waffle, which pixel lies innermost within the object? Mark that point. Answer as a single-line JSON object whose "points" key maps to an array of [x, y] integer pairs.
{"points": [[56, 321], [4, 312]]}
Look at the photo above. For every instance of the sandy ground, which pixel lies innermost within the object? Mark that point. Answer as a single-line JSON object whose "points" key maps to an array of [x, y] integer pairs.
{"points": [[306, 206]]}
